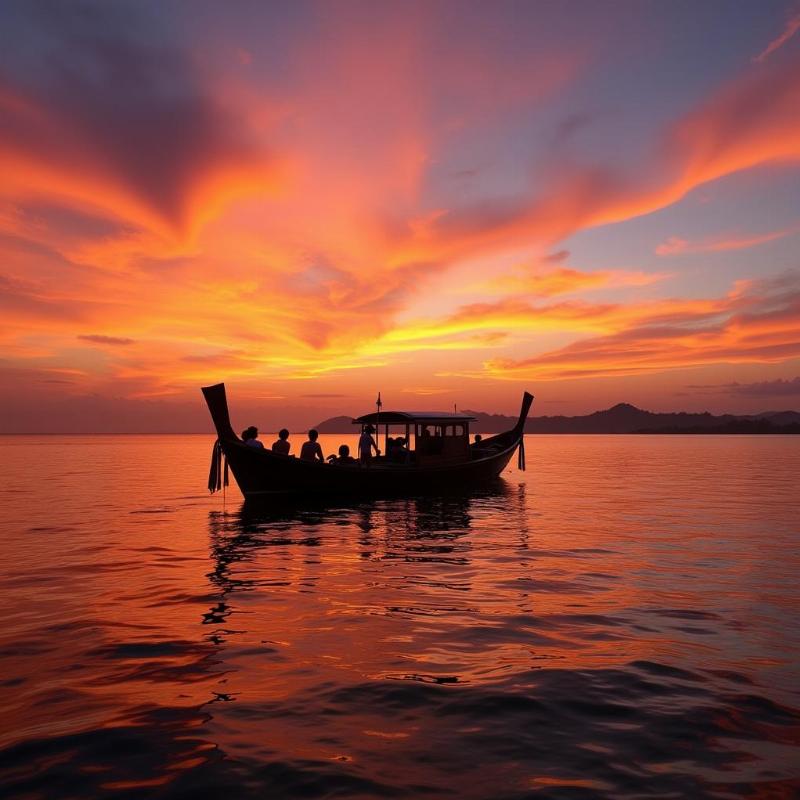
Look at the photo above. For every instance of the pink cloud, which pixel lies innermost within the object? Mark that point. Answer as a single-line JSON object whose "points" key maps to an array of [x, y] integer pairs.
{"points": [[677, 246], [791, 28], [753, 121]]}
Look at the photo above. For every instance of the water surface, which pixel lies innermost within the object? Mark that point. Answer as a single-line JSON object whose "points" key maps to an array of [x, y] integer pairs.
{"points": [[618, 621]]}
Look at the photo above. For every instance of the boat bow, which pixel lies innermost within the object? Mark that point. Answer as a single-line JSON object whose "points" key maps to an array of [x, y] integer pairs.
{"points": [[217, 404]]}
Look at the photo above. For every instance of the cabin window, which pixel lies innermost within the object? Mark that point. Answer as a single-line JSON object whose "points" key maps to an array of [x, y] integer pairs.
{"points": [[452, 431]]}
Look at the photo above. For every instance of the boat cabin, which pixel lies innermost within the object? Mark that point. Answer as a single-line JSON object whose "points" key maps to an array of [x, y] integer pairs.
{"points": [[432, 438]]}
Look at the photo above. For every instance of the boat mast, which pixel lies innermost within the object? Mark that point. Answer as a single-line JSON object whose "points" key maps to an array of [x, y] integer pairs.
{"points": [[378, 405]]}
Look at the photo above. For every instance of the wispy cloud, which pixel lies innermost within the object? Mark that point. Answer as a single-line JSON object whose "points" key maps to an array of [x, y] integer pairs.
{"points": [[425, 391], [99, 338], [757, 322], [552, 282], [676, 246], [570, 125], [790, 29], [556, 258], [750, 122], [165, 157], [779, 387]]}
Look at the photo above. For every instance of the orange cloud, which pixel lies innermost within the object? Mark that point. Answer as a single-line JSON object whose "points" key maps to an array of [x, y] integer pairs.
{"points": [[527, 320], [564, 280], [425, 391], [130, 128], [755, 323]]}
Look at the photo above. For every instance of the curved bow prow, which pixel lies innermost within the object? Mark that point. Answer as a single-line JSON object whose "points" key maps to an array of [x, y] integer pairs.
{"points": [[217, 404], [527, 400]]}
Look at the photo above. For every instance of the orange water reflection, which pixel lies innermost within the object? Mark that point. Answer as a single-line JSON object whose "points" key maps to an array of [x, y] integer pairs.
{"points": [[621, 612]]}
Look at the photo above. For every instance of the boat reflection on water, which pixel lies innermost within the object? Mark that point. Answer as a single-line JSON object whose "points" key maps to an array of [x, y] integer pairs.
{"points": [[426, 528], [382, 562]]}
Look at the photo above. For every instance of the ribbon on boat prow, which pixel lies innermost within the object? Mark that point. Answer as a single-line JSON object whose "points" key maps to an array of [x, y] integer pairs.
{"points": [[527, 400], [218, 472]]}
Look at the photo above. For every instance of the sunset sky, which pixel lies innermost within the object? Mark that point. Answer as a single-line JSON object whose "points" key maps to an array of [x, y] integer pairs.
{"points": [[446, 202]]}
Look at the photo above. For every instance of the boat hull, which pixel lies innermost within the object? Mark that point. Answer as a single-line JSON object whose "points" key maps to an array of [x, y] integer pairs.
{"points": [[261, 473]]}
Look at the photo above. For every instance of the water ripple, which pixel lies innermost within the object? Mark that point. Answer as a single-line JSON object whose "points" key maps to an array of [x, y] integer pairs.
{"points": [[618, 622]]}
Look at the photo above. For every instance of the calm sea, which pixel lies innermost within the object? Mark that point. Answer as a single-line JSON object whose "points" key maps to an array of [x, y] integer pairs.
{"points": [[621, 621]]}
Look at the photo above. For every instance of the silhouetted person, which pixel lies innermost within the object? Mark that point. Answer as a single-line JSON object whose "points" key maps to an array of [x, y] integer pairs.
{"points": [[424, 440], [436, 444], [478, 438], [311, 451], [250, 437], [366, 444], [344, 456], [398, 451], [282, 444]]}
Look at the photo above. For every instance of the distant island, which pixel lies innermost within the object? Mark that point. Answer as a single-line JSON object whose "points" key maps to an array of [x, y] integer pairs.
{"points": [[621, 418]]}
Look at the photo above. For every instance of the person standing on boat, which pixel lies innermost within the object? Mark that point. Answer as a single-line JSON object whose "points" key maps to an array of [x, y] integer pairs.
{"points": [[250, 437], [366, 444], [311, 451], [282, 445]]}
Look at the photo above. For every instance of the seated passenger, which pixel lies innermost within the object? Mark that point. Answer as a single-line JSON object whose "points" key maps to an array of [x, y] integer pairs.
{"points": [[250, 437], [398, 451], [344, 456], [478, 438], [311, 451], [282, 444]]}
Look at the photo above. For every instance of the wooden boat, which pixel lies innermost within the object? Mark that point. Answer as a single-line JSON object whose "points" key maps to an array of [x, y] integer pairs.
{"points": [[442, 457]]}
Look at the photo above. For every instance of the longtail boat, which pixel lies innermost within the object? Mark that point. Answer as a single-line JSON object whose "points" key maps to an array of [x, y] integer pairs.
{"points": [[439, 456]]}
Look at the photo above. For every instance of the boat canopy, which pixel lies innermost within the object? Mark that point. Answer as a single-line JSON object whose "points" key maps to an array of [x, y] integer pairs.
{"points": [[410, 417]]}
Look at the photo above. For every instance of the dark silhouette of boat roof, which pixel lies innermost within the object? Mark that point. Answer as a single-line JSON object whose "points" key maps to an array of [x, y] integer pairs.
{"points": [[402, 417]]}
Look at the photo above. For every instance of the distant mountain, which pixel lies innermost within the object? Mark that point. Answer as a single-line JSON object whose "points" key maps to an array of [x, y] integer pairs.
{"points": [[337, 425], [621, 418]]}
